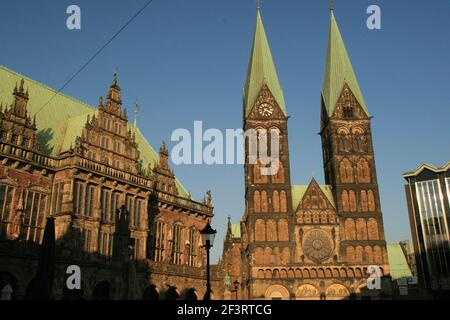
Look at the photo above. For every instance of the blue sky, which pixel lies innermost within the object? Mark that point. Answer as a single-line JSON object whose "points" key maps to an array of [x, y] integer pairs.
{"points": [[187, 61]]}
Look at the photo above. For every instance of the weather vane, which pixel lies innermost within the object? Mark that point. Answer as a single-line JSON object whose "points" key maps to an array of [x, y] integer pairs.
{"points": [[136, 110]]}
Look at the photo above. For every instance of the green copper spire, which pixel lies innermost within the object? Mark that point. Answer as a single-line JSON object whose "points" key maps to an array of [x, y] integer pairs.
{"points": [[338, 71], [261, 70]]}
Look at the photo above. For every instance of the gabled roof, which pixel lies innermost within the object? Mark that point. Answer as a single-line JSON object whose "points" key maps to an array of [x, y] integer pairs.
{"points": [[60, 118], [299, 191], [338, 71], [398, 265], [261, 70], [428, 166]]}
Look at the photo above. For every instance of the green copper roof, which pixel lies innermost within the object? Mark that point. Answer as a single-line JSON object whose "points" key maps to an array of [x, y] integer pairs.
{"points": [[60, 119], [261, 70], [398, 264], [338, 70], [236, 230]]}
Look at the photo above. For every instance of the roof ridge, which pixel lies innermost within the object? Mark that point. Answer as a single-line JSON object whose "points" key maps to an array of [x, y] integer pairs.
{"points": [[26, 78]]}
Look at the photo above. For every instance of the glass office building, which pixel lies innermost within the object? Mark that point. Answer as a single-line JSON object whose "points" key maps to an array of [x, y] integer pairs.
{"points": [[428, 199]]}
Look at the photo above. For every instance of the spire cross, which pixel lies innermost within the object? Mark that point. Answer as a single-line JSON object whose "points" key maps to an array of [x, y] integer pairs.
{"points": [[258, 4], [331, 5], [136, 110], [116, 71]]}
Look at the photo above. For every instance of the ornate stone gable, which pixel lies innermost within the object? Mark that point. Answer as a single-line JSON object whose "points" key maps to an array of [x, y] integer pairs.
{"points": [[266, 107], [106, 138], [16, 127]]}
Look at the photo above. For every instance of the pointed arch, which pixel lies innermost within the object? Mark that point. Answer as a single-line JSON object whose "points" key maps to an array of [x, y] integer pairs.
{"points": [[276, 201]]}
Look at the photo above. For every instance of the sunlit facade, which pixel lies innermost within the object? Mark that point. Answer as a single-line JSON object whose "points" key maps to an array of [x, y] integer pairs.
{"points": [[428, 195]]}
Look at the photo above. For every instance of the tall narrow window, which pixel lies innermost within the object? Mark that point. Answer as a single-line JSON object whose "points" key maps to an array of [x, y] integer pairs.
{"points": [[137, 212], [58, 197], [192, 251], [78, 197], [34, 215], [160, 233], [115, 205], [5, 204], [130, 210], [106, 203], [177, 244], [89, 202]]}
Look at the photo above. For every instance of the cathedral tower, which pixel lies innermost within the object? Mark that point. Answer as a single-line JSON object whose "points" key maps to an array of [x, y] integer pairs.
{"points": [[349, 161], [268, 213]]}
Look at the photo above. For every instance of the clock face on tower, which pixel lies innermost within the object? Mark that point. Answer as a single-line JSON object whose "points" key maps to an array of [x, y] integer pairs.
{"points": [[265, 109]]}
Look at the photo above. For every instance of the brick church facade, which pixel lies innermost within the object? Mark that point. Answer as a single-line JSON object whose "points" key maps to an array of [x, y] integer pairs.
{"points": [[308, 241], [120, 213]]}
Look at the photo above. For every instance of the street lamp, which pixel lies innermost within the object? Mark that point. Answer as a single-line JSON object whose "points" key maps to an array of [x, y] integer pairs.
{"points": [[208, 235]]}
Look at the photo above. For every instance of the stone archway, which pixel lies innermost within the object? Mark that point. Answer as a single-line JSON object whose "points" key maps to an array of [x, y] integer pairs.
{"points": [[151, 293], [337, 291], [307, 292], [172, 294], [277, 292], [191, 294]]}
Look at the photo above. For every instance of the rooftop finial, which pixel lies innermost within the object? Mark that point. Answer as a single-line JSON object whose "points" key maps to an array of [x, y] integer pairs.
{"points": [[115, 77], [136, 110], [331, 5], [258, 4]]}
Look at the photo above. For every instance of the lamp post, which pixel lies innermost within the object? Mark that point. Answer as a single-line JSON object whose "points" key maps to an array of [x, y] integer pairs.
{"points": [[208, 235], [236, 286]]}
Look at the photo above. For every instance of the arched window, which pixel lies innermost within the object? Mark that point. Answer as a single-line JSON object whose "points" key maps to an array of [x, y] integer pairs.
{"points": [[364, 204], [377, 255], [368, 255], [352, 200], [359, 252], [283, 202], [271, 230], [345, 201], [283, 232], [264, 202], [257, 201], [361, 229], [260, 230], [371, 200], [350, 232], [372, 226], [363, 171], [276, 201], [346, 171], [350, 254]]}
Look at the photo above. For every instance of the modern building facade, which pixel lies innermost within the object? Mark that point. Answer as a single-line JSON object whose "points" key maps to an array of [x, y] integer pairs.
{"points": [[120, 212], [428, 199], [313, 241]]}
